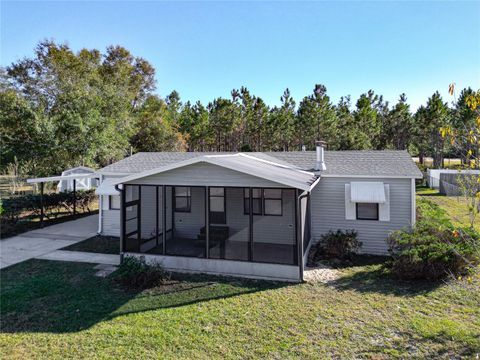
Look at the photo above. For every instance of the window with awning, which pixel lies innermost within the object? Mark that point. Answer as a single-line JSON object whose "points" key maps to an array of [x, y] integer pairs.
{"points": [[367, 200], [367, 192]]}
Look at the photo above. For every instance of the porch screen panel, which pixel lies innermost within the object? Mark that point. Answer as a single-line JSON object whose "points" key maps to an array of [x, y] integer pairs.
{"points": [[132, 219], [188, 235], [230, 240], [274, 231], [148, 214]]}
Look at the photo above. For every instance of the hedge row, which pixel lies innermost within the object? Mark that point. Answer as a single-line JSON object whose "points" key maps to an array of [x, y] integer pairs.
{"points": [[14, 209]]}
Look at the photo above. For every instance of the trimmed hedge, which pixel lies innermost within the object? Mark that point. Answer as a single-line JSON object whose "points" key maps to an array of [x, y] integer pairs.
{"points": [[434, 248], [16, 208]]}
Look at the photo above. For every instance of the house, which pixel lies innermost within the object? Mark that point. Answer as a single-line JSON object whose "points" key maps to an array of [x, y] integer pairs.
{"points": [[81, 183], [253, 214]]}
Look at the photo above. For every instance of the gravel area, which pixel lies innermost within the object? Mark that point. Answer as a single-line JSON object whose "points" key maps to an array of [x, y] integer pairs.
{"points": [[320, 273]]}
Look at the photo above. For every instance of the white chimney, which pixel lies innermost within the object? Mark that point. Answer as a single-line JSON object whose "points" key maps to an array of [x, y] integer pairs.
{"points": [[320, 162]]}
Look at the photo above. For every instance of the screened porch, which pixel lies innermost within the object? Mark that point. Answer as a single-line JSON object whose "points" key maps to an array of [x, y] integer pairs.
{"points": [[251, 224]]}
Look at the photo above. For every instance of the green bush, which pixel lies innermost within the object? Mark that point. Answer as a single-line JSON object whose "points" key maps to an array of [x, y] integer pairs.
{"points": [[136, 274], [14, 208], [338, 244], [434, 248]]}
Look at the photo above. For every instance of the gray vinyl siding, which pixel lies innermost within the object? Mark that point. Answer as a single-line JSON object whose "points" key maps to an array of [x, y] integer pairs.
{"points": [[204, 174], [266, 229], [148, 211], [110, 218], [328, 212], [188, 224], [277, 229], [111, 222], [238, 223]]}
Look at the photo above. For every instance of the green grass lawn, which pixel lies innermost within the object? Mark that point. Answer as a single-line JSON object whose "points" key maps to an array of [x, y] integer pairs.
{"points": [[456, 207], [60, 310]]}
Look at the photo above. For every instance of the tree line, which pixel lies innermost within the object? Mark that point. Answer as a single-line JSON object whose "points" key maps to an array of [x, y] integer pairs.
{"points": [[61, 108]]}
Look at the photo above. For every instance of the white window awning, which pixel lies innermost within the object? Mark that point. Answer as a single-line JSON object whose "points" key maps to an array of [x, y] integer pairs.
{"points": [[107, 188], [367, 192]]}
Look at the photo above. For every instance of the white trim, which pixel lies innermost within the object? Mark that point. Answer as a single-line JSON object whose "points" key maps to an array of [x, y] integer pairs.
{"points": [[374, 176], [384, 208], [110, 173], [60, 178], [315, 183], [277, 164], [414, 205]]}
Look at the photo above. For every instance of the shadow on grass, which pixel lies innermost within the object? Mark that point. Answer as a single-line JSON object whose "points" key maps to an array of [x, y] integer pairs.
{"points": [[378, 279], [60, 297]]}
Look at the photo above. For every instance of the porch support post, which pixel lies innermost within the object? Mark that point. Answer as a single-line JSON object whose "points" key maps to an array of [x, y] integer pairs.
{"points": [[42, 210], [250, 219], [122, 220], [74, 196], [156, 215], [139, 218], [298, 231], [164, 219], [207, 221]]}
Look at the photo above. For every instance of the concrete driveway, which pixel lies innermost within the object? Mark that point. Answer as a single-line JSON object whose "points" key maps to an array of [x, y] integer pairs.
{"points": [[44, 241]]}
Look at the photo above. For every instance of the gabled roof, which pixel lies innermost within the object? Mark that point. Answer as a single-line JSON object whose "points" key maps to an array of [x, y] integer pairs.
{"points": [[369, 163], [280, 173]]}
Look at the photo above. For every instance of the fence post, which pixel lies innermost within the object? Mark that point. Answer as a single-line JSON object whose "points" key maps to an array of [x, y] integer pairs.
{"points": [[41, 205], [74, 197]]}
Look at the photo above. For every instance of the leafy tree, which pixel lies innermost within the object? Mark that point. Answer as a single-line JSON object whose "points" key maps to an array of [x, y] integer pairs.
{"points": [[346, 122], [421, 133], [438, 116], [398, 126], [280, 123], [223, 116], [87, 100], [316, 120], [152, 132], [365, 127], [464, 121]]}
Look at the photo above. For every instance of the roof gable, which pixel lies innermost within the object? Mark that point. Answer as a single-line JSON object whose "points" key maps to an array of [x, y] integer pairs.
{"points": [[261, 168]]}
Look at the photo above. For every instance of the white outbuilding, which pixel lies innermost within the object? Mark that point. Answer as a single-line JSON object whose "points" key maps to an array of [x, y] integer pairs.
{"points": [[82, 183]]}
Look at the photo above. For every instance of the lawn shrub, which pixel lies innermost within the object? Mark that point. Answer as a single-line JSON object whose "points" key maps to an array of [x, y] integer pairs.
{"points": [[434, 248], [338, 244], [136, 274]]}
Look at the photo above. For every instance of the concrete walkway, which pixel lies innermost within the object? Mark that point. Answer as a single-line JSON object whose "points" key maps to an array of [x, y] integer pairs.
{"points": [[36, 243], [80, 256]]}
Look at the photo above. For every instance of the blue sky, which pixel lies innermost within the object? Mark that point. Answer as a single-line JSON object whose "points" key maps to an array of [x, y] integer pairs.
{"points": [[205, 49]]}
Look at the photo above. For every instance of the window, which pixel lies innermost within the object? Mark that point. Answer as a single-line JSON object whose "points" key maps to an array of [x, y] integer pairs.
{"points": [[367, 211], [272, 202], [256, 201], [114, 202], [217, 206], [183, 199]]}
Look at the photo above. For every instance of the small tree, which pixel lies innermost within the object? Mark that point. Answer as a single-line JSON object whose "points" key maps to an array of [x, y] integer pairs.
{"points": [[466, 138]]}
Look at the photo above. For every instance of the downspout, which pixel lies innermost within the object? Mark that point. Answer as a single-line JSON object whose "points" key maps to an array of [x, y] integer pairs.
{"points": [[300, 234], [100, 208]]}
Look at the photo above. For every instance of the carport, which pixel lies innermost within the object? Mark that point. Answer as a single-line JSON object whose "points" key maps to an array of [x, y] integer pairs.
{"points": [[43, 180]]}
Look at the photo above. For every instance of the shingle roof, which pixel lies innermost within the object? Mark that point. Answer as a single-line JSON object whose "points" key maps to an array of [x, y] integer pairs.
{"points": [[389, 163], [244, 163]]}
